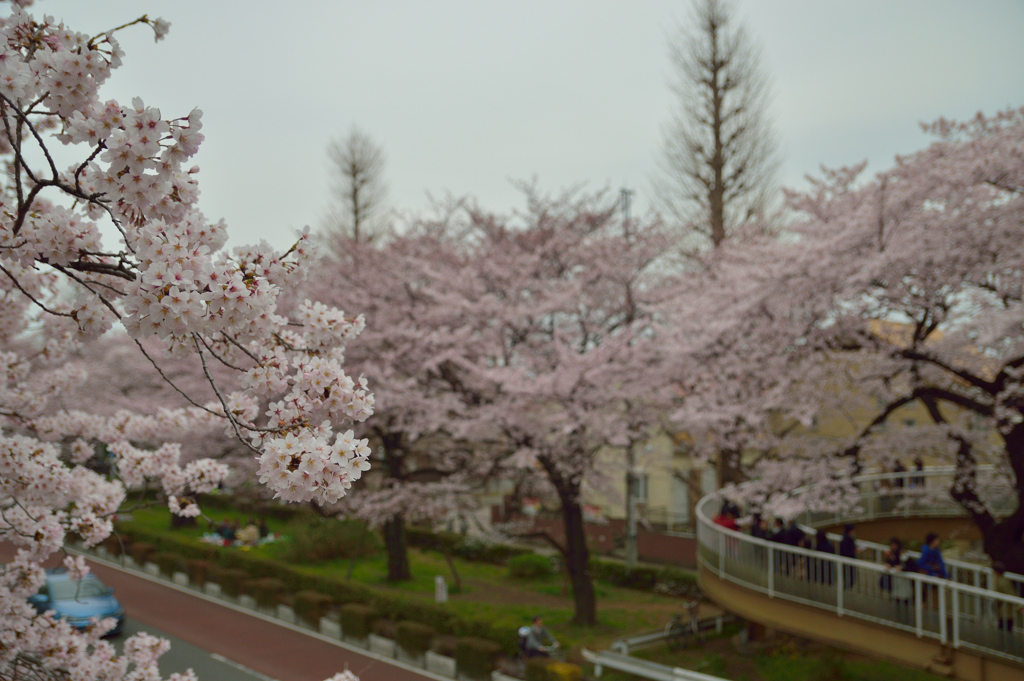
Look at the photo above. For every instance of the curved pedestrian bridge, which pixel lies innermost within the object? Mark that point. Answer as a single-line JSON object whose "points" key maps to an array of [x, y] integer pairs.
{"points": [[958, 627]]}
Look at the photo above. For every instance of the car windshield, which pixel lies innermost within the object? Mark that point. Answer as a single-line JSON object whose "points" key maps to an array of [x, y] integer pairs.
{"points": [[68, 590]]}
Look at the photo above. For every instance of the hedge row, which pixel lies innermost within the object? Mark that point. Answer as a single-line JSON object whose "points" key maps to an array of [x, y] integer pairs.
{"points": [[530, 566], [169, 562], [668, 580], [475, 657], [311, 606], [230, 568], [463, 546]]}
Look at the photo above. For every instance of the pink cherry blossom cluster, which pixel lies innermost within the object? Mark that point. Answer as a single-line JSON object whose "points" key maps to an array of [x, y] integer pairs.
{"points": [[303, 466], [167, 279], [171, 279]]}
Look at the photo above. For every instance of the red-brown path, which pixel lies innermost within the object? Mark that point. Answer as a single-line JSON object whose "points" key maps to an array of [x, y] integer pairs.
{"points": [[267, 647]]}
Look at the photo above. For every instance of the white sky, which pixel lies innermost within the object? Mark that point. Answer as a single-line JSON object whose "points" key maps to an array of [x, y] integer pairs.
{"points": [[465, 96]]}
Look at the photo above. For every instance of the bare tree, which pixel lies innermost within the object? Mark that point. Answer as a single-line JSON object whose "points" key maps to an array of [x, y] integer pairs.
{"points": [[358, 189], [719, 160]]}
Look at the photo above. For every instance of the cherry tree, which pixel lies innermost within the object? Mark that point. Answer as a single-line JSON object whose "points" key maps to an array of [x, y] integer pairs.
{"points": [[165, 276], [909, 287], [566, 357], [423, 470]]}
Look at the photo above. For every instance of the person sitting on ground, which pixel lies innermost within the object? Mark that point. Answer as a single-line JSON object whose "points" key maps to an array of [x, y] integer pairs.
{"points": [[539, 641], [931, 561], [250, 534], [222, 529]]}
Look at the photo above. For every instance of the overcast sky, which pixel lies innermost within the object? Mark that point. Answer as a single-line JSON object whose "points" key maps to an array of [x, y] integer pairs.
{"points": [[466, 96]]}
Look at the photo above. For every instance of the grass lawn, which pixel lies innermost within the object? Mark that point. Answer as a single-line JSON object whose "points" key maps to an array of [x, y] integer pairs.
{"points": [[488, 593]]}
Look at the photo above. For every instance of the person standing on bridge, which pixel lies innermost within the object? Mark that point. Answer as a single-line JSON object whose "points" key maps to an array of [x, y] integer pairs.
{"points": [[893, 559], [848, 549], [824, 569], [931, 561]]}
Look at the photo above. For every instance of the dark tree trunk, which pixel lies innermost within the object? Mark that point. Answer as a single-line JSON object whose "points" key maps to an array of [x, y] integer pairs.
{"points": [[577, 561], [456, 579], [1000, 539], [398, 555], [1002, 542]]}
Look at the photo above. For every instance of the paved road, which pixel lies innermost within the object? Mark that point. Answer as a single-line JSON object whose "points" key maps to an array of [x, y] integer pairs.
{"points": [[265, 647], [182, 656]]}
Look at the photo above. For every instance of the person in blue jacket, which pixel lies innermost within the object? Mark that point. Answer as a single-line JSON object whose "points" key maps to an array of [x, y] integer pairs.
{"points": [[931, 561]]}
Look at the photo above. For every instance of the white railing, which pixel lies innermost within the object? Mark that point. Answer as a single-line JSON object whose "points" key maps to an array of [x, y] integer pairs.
{"points": [[921, 494], [957, 614], [643, 668]]}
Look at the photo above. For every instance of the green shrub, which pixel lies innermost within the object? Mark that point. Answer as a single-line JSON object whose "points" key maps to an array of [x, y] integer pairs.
{"points": [[469, 548], [537, 669], [142, 552], [445, 645], [475, 656], [231, 581], [114, 544], [310, 606], [562, 671], [675, 582], [268, 592], [529, 566], [414, 638], [327, 539], [169, 562], [384, 627], [357, 620], [474, 549], [640, 577], [198, 571]]}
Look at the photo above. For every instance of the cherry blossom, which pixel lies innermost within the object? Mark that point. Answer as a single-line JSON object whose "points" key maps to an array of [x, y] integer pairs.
{"points": [[166, 279], [884, 295]]}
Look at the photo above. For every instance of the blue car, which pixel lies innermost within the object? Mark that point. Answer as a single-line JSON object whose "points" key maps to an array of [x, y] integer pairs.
{"points": [[77, 601]]}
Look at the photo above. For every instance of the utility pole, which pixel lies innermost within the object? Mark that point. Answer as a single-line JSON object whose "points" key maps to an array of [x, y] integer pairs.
{"points": [[632, 552]]}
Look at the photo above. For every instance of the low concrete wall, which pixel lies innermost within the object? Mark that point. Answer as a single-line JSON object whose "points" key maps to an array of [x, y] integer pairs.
{"points": [[440, 664], [666, 548]]}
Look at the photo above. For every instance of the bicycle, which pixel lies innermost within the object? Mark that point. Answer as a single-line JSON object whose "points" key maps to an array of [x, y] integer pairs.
{"points": [[679, 631]]}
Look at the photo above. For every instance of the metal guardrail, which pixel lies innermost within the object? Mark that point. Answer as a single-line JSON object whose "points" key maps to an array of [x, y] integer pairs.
{"points": [[643, 668], [913, 494], [961, 615], [626, 644]]}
